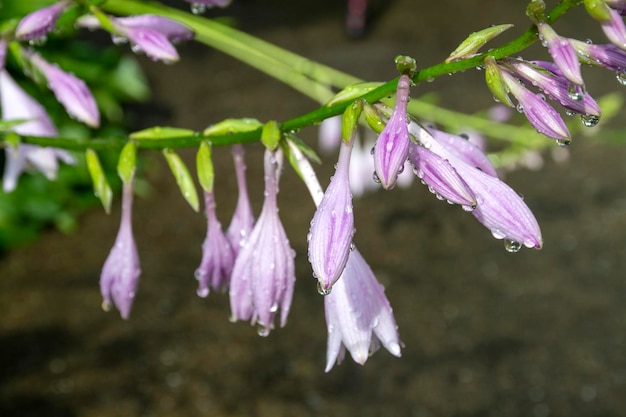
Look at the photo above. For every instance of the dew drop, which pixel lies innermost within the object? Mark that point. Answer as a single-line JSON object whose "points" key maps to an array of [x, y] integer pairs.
{"points": [[274, 308], [376, 178], [262, 331], [512, 246], [497, 233], [621, 77], [40, 41], [106, 306], [203, 292], [589, 120], [136, 49], [564, 142], [119, 40], [323, 291], [575, 92], [198, 8], [519, 108]]}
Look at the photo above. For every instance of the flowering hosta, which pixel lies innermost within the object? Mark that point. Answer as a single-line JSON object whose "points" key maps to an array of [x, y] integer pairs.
{"points": [[383, 141]]}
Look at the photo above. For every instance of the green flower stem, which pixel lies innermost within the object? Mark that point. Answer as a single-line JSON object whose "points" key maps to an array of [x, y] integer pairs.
{"points": [[308, 77]]}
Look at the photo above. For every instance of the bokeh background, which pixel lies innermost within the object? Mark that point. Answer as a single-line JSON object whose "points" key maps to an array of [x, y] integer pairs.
{"points": [[486, 332]]}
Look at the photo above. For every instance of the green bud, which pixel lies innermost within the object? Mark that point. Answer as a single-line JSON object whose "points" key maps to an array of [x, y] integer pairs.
{"points": [[535, 11], [159, 132], [598, 9], [230, 126], [350, 119], [470, 46], [373, 119], [406, 65], [352, 92], [495, 83], [204, 166], [271, 134], [127, 161], [101, 187], [183, 178]]}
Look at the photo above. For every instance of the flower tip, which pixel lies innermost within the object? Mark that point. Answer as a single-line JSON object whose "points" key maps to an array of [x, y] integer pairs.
{"points": [[394, 349]]}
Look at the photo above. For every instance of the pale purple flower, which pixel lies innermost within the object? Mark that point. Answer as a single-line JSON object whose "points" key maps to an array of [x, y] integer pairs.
{"points": [[39, 23], [151, 34], [615, 30], [264, 274], [121, 270], [217, 255], [3, 52], [392, 145], [70, 91], [538, 112], [551, 82], [16, 104], [358, 315], [498, 207], [332, 226], [562, 53], [243, 220], [608, 56], [329, 134]]}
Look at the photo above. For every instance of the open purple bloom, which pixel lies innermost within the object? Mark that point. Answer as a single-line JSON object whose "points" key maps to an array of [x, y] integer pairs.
{"points": [[243, 220], [70, 90], [332, 226], [264, 274], [541, 75], [392, 145], [217, 255], [16, 104], [562, 53], [40, 22], [358, 315], [498, 207], [615, 30], [121, 270], [151, 34]]}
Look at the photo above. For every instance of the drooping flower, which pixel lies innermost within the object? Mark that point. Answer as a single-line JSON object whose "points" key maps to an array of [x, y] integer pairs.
{"points": [[217, 255], [332, 226], [16, 105], [358, 315], [243, 220], [39, 23], [608, 56], [264, 274], [150, 34], [562, 53], [498, 207], [70, 91], [121, 270], [392, 145], [615, 29]]}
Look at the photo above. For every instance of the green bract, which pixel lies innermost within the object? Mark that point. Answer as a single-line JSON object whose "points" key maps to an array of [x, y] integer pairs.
{"points": [[204, 166], [470, 46], [101, 187], [183, 178]]}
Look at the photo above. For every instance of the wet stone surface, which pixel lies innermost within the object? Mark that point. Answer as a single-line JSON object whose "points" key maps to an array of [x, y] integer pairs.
{"points": [[486, 332]]}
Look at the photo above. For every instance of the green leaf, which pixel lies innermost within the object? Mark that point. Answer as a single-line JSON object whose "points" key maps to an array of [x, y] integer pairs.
{"points": [[352, 92], [183, 178], [160, 132], [470, 46], [204, 166], [127, 161], [101, 187], [230, 126]]}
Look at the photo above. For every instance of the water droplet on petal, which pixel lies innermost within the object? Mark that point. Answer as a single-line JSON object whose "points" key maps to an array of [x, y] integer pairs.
{"points": [[575, 92], [376, 178], [198, 8], [512, 246], [262, 331], [621, 77], [40, 41], [119, 40], [589, 120], [323, 291], [564, 142]]}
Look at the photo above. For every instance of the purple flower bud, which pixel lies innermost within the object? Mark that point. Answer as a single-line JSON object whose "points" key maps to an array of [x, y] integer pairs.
{"points": [[392, 146], [562, 53], [618, 5], [121, 270], [40, 22], [555, 86], [16, 104], [332, 226], [615, 30], [498, 207], [264, 274], [70, 91], [356, 308], [243, 220], [462, 148], [608, 56], [150, 34], [538, 112], [217, 254], [441, 178]]}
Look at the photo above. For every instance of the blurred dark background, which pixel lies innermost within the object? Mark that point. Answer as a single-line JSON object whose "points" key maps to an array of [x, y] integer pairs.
{"points": [[487, 333]]}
